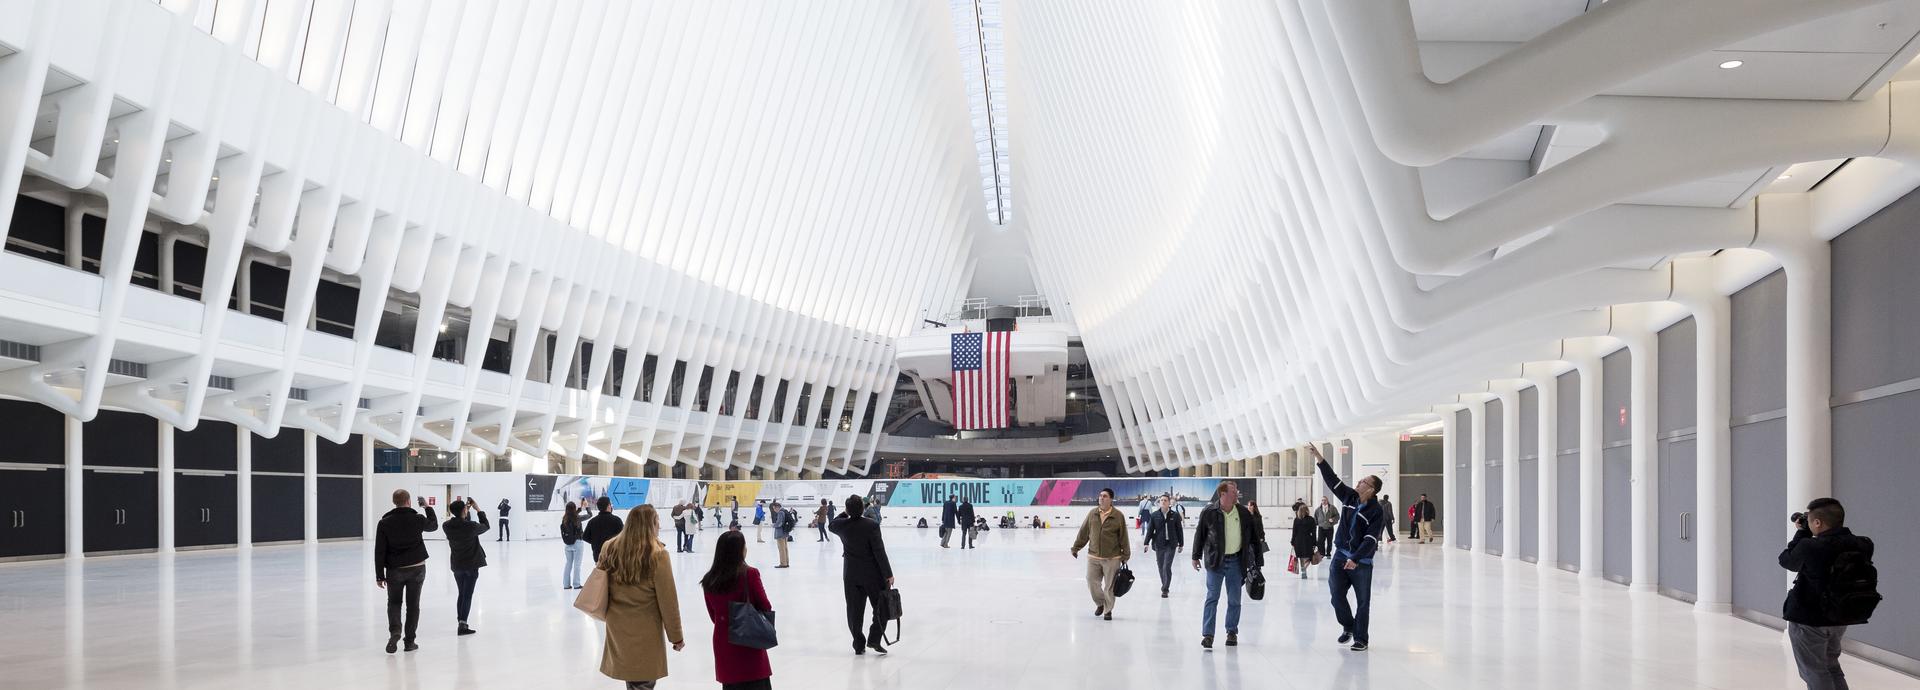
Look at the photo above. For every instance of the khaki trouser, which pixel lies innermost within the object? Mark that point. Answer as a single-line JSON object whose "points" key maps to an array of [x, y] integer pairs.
{"points": [[1100, 572], [782, 543], [1424, 528]]}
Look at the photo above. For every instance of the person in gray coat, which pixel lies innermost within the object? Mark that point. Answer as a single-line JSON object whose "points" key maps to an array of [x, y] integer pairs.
{"points": [[1386, 503], [1328, 517]]}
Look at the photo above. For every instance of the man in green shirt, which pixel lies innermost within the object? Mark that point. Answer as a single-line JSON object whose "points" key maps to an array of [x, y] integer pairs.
{"points": [[1228, 543]]}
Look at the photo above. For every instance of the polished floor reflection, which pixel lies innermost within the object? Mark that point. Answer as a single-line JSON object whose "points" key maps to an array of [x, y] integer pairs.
{"points": [[1011, 615]]}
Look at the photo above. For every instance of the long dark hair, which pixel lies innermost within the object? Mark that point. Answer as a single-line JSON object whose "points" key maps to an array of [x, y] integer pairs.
{"points": [[729, 558], [570, 518]]}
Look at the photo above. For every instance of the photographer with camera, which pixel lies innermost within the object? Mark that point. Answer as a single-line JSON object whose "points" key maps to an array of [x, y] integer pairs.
{"points": [[1836, 587]]}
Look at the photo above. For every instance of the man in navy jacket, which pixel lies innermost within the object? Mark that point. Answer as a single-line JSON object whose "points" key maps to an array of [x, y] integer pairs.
{"points": [[1165, 537], [949, 511], [1354, 542]]}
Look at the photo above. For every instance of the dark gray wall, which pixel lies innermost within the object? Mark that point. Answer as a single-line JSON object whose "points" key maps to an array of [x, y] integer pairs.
{"points": [[1528, 512], [1876, 325], [1677, 384], [1496, 454], [1568, 457], [1616, 466], [1462, 479], [1675, 521], [1758, 361]]}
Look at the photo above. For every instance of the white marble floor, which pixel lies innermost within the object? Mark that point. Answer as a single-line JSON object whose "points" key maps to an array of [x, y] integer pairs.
{"points": [[1011, 615]]}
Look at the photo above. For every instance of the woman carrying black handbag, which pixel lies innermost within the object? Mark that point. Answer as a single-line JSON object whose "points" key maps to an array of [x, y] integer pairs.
{"points": [[742, 617]]}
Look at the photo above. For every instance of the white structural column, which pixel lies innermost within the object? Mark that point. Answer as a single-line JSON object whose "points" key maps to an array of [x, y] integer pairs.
{"points": [[310, 483], [243, 481], [1477, 479], [1592, 548], [1448, 428], [1809, 373], [76, 476], [1644, 349], [1548, 426], [1509, 488], [1713, 493], [167, 495]]}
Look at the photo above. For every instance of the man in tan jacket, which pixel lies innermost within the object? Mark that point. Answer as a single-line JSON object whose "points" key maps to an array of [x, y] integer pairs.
{"points": [[1104, 535]]}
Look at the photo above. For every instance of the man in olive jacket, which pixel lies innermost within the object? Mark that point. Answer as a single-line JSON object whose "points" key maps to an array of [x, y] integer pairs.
{"points": [[1227, 542], [400, 559], [1104, 535]]}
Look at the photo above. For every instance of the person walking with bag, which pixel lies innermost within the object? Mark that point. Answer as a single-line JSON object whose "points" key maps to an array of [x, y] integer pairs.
{"points": [[867, 574], [1361, 520], [643, 608], [967, 528], [728, 582], [1306, 539], [823, 516], [466, 557], [1104, 535], [1166, 536], [1227, 543], [949, 513], [759, 516], [570, 530], [1329, 518]]}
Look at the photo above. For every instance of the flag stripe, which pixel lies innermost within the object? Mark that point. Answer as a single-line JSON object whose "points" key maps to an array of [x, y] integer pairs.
{"points": [[982, 366]]}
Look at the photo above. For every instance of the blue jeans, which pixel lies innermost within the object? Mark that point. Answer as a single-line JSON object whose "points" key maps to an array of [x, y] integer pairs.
{"points": [[570, 577], [465, 580], [1229, 572], [1360, 580]]}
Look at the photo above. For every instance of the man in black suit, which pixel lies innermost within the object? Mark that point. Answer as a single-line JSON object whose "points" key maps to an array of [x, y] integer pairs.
{"points": [[966, 523], [949, 511], [400, 558], [867, 575], [602, 527]]}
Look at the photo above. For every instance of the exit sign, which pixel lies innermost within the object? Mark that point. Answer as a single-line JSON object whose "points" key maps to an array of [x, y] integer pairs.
{"points": [[1623, 415]]}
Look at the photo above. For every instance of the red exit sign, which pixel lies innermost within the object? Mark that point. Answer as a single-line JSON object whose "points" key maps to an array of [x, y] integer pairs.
{"points": [[1623, 415]]}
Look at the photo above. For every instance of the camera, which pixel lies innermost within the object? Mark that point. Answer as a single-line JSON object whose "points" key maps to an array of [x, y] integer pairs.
{"points": [[1799, 519]]}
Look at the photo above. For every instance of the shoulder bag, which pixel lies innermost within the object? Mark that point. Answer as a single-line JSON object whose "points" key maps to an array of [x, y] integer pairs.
{"points": [[593, 596], [748, 626]]}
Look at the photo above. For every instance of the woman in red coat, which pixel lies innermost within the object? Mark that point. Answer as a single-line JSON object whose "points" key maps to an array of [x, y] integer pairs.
{"points": [[731, 580]]}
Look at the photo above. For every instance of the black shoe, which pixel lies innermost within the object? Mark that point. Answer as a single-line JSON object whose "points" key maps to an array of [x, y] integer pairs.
{"points": [[1098, 609], [393, 644], [1206, 642], [1359, 647], [1163, 594], [875, 646], [1233, 639], [464, 630], [782, 565], [859, 650], [1346, 636], [1108, 616], [410, 647]]}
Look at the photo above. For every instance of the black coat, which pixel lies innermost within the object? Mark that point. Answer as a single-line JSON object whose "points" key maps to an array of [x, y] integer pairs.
{"points": [[949, 511], [1812, 557], [602, 527], [1165, 530], [966, 515], [1209, 538], [864, 554], [463, 542], [1424, 512], [397, 542], [1305, 536]]}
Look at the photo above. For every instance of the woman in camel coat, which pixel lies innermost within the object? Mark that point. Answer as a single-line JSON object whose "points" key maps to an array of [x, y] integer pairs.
{"points": [[643, 610]]}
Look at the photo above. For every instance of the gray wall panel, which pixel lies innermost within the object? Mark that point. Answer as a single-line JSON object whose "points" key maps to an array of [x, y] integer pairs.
{"points": [[1679, 523], [1617, 513], [1567, 430], [1462, 479], [1874, 475], [1496, 510], [1876, 317], [1528, 512], [1569, 509], [1759, 488], [1496, 435], [1616, 381], [1677, 386], [1758, 358], [1530, 422]]}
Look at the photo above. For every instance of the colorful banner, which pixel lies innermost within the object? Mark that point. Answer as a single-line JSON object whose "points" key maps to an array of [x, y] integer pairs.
{"points": [[981, 492], [1189, 492], [551, 492], [724, 494]]}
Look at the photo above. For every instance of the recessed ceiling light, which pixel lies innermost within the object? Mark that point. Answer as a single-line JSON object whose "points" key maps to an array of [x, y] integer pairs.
{"points": [[1787, 176], [1730, 64]]}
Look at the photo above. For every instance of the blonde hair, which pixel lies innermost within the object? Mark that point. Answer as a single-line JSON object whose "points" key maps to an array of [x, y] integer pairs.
{"points": [[628, 557]]}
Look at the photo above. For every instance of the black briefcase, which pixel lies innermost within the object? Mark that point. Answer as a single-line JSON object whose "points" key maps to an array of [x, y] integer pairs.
{"points": [[1122, 581], [890, 601]]}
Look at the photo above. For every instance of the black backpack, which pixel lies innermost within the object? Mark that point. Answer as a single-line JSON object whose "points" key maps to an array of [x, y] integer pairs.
{"points": [[1852, 588], [787, 521]]}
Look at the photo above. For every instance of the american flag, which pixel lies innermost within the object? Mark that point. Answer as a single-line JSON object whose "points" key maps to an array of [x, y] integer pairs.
{"points": [[980, 365]]}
